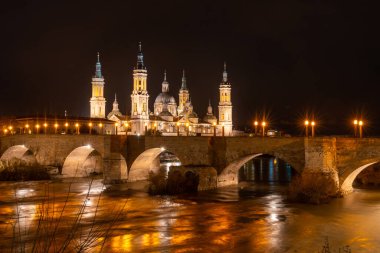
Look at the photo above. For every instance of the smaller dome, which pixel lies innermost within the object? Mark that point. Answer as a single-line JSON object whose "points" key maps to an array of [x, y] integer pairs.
{"points": [[165, 98], [116, 113]]}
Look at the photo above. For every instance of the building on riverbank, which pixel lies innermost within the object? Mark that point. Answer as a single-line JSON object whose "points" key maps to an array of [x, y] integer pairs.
{"points": [[167, 117]]}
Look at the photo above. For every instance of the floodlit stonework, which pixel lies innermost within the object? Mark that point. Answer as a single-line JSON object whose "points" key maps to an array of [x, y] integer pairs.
{"points": [[167, 118]]}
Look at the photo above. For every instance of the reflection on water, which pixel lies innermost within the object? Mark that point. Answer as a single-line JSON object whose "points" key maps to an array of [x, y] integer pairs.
{"points": [[255, 218], [266, 169]]}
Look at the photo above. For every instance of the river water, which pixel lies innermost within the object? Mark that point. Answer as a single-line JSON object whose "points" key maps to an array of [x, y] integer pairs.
{"points": [[251, 217]]}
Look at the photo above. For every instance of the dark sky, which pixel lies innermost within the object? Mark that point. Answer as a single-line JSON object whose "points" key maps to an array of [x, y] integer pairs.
{"points": [[286, 58]]}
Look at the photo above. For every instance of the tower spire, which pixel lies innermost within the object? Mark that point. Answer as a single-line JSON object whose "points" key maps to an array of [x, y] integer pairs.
{"points": [[140, 58], [183, 86], [98, 67], [165, 84], [225, 73]]}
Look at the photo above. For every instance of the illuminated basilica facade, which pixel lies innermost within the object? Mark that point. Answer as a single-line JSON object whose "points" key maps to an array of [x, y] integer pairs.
{"points": [[167, 117]]}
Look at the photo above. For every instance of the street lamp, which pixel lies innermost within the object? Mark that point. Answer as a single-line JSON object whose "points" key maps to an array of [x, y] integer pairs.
{"points": [[55, 127], [223, 129], [126, 127], [312, 128], [146, 128], [77, 127], [45, 127], [10, 129], [214, 125], [27, 128], [256, 125], [66, 126], [90, 127], [306, 128], [263, 124], [37, 127], [116, 125], [177, 128], [356, 127], [101, 129], [361, 128], [155, 128]]}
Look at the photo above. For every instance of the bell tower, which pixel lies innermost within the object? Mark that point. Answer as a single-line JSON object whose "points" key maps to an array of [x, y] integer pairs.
{"points": [[184, 95], [97, 101], [225, 104], [139, 96]]}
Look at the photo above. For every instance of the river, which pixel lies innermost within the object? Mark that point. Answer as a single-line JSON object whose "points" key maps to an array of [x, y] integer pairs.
{"points": [[253, 217]]}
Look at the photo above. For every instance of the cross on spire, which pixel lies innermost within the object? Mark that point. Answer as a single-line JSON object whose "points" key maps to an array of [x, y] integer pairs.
{"points": [[183, 85], [140, 58], [98, 67], [225, 80]]}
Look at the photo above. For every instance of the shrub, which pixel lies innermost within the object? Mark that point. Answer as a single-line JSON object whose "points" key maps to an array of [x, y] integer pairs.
{"points": [[173, 183], [19, 170]]}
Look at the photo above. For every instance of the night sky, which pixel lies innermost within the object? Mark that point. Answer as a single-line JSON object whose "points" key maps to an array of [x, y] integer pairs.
{"points": [[284, 58]]}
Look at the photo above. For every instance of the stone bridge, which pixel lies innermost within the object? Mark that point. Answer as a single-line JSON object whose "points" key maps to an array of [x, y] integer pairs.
{"points": [[216, 159]]}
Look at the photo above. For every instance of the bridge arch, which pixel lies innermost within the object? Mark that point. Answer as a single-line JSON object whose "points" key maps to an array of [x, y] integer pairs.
{"points": [[346, 185], [230, 174], [147, 162], [20, 152], [82, 161]]}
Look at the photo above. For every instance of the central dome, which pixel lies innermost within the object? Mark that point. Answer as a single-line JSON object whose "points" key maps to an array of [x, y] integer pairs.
{"points": [[165, 98]]}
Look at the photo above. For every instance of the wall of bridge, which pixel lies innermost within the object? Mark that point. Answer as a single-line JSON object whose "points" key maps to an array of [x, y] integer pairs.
{"points": [[338, 158], [52, 150]]}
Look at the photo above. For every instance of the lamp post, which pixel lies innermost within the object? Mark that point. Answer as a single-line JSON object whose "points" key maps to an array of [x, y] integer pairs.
{"points": [[146, 128], [66, 126], [116, 125], [312, 128], [90, 127], [155, 128], [361, 128], [27, 128], [126, 127], [306, 128], [187, 129], [223, 129], [77, 128], [10, 129], [263, 124], [214, 125], [37, 127], [256, 123], [55, 128], [101, 128], [45, 127], [177, 124], [356, 128]]}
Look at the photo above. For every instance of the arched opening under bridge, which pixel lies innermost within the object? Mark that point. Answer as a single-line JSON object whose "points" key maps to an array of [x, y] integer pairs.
{"points": [[18, 153], [152, 161], [364, 176], [256, 168], [82, 162]]}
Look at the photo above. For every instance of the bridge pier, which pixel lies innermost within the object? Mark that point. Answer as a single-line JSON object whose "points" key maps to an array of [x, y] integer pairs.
{"points": [[321, 164]]}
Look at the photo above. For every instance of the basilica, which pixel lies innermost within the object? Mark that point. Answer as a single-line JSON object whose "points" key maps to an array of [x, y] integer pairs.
{"points": [[168, 117]]}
